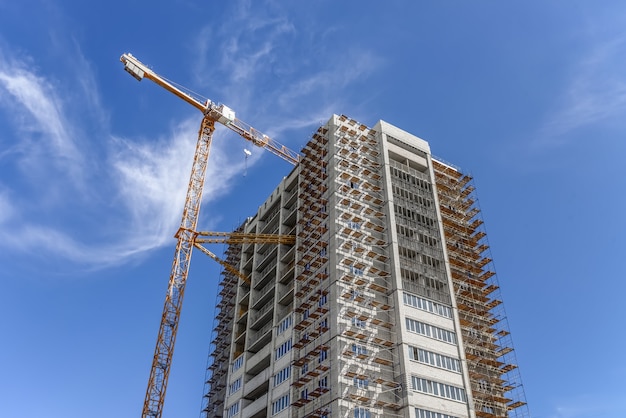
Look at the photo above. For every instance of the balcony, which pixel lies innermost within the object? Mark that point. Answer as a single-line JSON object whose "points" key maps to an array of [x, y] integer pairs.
{"points": [[258, 408]]}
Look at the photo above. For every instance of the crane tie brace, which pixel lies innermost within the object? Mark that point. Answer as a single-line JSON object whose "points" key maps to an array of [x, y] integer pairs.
{"points": [[187, 237]]}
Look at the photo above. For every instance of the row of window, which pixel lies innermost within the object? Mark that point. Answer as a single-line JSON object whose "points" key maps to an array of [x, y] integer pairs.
{"points": [[430, 331], [362, 413], [438, 389], [359, 349], [412, 238], [353, 225], [427, 305], [282, 375], [423, 413], [235, 386], [360, 383], [356, 271], [283, 349], [412, 255], [238, 363], [408, 178], [414, 216], [434, 359], [284, 324], [280, 404], [425, 285], [233, 410], [359, 323], [412, 197]]}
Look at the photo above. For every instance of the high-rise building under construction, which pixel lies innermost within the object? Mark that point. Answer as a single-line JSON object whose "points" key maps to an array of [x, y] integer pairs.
{"points": [[387, 304]]}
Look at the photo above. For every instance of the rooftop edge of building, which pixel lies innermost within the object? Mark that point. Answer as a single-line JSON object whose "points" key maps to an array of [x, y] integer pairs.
{"points": [[402, 136]]}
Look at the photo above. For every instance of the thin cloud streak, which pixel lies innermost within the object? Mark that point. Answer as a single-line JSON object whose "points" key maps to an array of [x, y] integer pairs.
{"points": [[596, 93], [36, 96], [363, 63], [306, 95]]}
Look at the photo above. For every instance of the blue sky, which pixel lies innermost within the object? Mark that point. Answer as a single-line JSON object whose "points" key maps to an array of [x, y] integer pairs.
{"points": [[529, 97]]}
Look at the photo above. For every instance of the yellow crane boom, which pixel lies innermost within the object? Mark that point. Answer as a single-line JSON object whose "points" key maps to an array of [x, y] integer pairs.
{"points": [[187, 234], [237, 238], [216, 112]]}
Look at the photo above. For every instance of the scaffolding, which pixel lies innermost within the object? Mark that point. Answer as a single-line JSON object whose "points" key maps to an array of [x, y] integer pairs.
{"points": [[311, 350], [335, 303], [219, 355], [359, 355], [494, 378]]}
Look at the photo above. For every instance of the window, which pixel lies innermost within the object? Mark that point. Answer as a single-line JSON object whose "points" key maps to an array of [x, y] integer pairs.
{"points": [[280, 404], [237, 363], [323, 382], [438, 389], [430, 331], [283, 349], [304, 369], [282, 375], [235, 386], [304, 394], [284, 325], [427, 305], [423, 413], [359, 323], [323, 356], [323, 300], [356, 271], [360, 383], [362, 413], [359, 349], [434, 359], [323, 325], [233, 410], [354, 225]]}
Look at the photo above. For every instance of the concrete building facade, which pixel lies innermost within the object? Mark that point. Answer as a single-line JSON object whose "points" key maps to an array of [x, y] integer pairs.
{"points": [[387, 304]]}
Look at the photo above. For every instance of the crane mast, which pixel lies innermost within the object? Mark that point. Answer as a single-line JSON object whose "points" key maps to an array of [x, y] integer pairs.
{"points": [[187, 236]]}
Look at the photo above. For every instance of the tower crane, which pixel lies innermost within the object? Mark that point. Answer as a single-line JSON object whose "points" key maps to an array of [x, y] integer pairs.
{"points": [[187, 236]]}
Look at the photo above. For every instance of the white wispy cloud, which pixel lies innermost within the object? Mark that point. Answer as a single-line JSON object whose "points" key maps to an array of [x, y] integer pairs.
{"points": [[39, 113], [362, 63], [263, 45], [133, 197], [138, 186], [595, 93], [152, 179]]}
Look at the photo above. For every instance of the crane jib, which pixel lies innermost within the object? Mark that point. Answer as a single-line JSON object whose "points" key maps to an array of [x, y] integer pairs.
{"points": [[159, 374]]}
